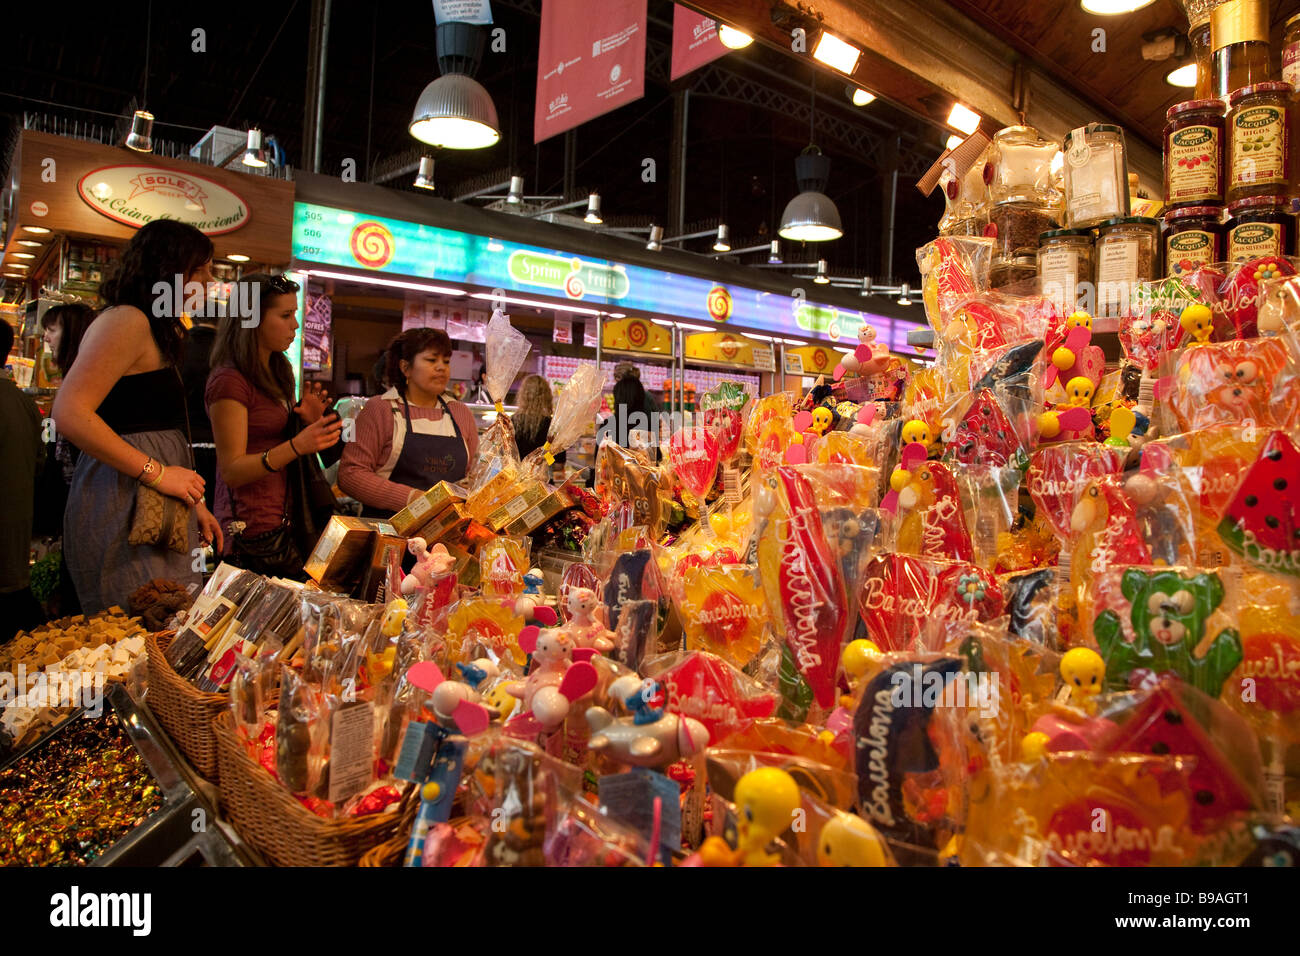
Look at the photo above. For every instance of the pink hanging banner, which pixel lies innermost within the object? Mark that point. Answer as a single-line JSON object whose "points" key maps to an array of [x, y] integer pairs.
{"points": [[590, 60], [695, 41]]}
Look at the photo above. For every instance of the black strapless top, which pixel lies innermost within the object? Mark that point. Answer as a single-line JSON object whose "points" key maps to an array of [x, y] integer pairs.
{"points": [[145, 402]]}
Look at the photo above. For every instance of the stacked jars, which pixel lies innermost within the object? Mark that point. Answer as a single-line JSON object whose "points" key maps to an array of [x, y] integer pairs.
{"points": [[1128, 253], [1024, 199], [1096, 175], [1065, 262], [965, 202], [1195, 143]]}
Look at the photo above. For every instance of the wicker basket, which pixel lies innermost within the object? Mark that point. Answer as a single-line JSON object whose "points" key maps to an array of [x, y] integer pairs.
{"points": [[280, 828], [389, 853], [184, 711]]}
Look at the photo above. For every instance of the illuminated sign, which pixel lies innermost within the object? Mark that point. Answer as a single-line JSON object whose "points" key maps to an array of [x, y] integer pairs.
{"points": [[338, 237]]}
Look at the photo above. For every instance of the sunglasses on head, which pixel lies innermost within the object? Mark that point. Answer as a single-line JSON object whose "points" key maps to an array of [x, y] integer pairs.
{"points": [[281, 285]]}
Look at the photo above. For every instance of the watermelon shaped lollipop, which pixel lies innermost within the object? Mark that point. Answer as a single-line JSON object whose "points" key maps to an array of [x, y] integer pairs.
{"points": [[694, 454], [1262, 522], [984, 436]]}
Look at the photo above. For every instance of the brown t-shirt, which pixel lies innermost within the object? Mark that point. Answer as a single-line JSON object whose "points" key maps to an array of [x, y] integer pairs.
{"points": [[259, 504]]}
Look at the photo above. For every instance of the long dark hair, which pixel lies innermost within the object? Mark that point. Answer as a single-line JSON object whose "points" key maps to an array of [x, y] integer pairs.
{"points": [[160, 251], [629, 392], [534, 406], [74, 318], [236, 346], [405, 346]]}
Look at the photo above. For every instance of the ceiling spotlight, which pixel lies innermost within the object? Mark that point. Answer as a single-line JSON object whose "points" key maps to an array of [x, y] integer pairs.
{"points": [[732, 38], [424, 178], [1182, 76], [723, 242], [593, 210], [14, 275], [774, 254], [15, 265], [902, 296], [860, 96], [140, 138], [656, 239], [822, 277], [254, 153], [964, 119], [836, 54], [237, 257], [955, 140], [456, 112], [866, 287], [1109, 8], [516, 194], [22, 255], [29, 243], [811, 216], [38, 230]]}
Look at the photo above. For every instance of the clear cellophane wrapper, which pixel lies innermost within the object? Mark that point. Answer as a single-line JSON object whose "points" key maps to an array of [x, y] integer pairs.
{"points": [[1236, 314], [1278, 308], [517, 777], [992, 320], [506, 349], [574, 414], [579, 834], [626, 476], [1253, 383], [952, 266], [912, 603]]}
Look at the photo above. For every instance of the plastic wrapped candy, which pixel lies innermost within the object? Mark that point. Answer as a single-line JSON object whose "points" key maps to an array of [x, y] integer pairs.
{"points": [[575, 411], [952, 267], [930, 520], [521, 788], [481, 627], [506, 350], [1240, 294], [1058, 473], [694, 454], [705, 687], [1262, 521], [1278, 305], [912, 603], [1106, 534], [1246, 381], [723, 612]]}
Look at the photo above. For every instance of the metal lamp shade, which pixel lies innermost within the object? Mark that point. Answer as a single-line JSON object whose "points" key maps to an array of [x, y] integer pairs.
{"points": [[140, 138], [455, 112], [810, 217]]}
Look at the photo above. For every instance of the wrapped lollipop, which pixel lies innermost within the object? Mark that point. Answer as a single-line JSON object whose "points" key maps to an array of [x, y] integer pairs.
{"points": [[722, 409], [694, 455], [575, 412], [497, 453]]}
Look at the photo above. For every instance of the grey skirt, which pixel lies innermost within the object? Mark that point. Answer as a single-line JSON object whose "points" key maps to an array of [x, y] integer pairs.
{"points": [[104, 568]]}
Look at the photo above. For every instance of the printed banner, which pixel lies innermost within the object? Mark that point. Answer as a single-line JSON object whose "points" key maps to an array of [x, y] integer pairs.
{"points": [[462, 11], [695, 41], [317, 353], [591, 59]]}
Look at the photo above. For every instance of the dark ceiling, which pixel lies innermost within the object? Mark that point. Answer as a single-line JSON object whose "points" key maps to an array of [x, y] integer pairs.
{"points": [[748, 114]]}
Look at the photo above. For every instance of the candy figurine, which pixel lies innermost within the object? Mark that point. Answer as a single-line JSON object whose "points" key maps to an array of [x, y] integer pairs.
{"points": [[931, 522], [1084, 672], [917, 431], [822, 420], [1074, 356], [1078, 392], [433, 568], [849, 840], [529, 605], [1107, 533], [1198, 322], [1122, 423], [583, 628], [766, 800], [556, 679], [642, 742]]}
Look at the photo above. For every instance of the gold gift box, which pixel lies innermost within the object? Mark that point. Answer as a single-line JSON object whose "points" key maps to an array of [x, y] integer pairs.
{"points": [[341, 547], [411, 519], [540, 513], [449, 526], [531, 492], [503, 486], [374, 578]]}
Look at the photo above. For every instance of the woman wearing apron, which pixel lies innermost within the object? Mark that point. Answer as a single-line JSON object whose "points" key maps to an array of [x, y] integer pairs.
{"points": [[410, 438]]}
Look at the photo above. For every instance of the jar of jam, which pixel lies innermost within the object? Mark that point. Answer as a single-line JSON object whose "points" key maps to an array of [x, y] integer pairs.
{"points": [[1199, 43], [1128, 252], [1065, 260], [1259, 141], [1193, 238], [1291, 52], [1260, 226], [1194, 153]]}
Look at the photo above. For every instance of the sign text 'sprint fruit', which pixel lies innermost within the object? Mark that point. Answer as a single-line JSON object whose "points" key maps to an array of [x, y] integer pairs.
{"points": [[719, 304], [372, 244]]}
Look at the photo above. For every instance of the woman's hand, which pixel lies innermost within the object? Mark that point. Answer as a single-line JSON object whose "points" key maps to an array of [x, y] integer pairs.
{"points": [[209, 528], [319, 435], [315, 399], [181, 483]]}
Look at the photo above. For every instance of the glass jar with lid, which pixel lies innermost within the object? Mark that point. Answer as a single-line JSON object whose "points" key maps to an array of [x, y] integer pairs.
{"points": [[1020, 164], [1017, 225], [1096, 175], [1260, 226], [1128, 252], [1194, 140], [1239, 39], [1194, 237], [1291, 52], [965, 202], [1259, 141], [1199, 43], [1005, 272], [1065, 260]]}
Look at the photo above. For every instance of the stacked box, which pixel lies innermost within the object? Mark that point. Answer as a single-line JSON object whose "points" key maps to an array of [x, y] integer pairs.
{"points": [[411, 520]]}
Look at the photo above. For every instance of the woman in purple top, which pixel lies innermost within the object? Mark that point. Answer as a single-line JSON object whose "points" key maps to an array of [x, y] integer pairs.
{"points": [[249, 397]]}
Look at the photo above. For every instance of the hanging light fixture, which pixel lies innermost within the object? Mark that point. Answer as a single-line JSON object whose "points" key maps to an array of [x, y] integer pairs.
{"points": [[424, 178], [455, 111], [774, 254], [593, 210], [140, 138], [1184, 75], [656, 239], [861, 97], [723, 242], [811, 216], [732, 38], [822, 278], [254, 153], [516, 194], [963, 118]]}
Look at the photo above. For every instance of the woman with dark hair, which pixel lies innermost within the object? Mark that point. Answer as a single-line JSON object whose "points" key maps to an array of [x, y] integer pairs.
{"points": [[249, 399], [123, 404], [409, 438], [633, 419], [63, 328]]}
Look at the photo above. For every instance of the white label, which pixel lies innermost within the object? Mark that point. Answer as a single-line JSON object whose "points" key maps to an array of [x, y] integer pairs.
{"points": [[1116, 272], [351, 750], [515, 506], [419, 507], [1078, 154], [1058, 273], [764, 358]]}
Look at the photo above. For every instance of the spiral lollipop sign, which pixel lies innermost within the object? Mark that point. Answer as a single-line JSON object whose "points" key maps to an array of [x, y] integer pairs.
{"points": [[372, 245]]}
